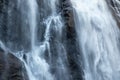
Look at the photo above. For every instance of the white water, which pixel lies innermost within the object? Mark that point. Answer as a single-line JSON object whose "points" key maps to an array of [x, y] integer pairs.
{"points": [[98, 38], [36, 66], [32, 15]]}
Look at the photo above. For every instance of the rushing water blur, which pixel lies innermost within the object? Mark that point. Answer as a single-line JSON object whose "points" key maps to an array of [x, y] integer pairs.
{"points": [[35, 63], [98, 36], [34, 35]]}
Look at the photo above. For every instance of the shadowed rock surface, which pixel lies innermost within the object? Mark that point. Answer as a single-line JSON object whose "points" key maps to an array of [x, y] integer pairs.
{"points": [[115, 9], [72, 47], [11, 68]]}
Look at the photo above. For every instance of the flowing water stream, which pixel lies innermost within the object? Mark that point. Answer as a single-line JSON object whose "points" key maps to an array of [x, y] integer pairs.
{"points": [[36, 66], [98, 36]]}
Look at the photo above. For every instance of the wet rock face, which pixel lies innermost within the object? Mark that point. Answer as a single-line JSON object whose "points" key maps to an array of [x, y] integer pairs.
{"points": [[67, 13], [70, 41], [115, 9], [11, 68], [2, 65]]}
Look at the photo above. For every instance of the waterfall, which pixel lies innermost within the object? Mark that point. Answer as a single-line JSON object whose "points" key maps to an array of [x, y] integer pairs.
{"points": [[36, 66], [39, 61], [59, 40], [98, 37], [32, 20]]}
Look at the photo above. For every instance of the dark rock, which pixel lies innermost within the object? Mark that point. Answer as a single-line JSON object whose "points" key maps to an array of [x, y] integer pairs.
{"points": [[11, 68], [115, 10], [70, 41]]}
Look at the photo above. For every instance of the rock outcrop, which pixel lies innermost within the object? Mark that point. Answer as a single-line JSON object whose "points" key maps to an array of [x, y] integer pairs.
{"points": [[114, 6], [73, 52], [11, 68]]}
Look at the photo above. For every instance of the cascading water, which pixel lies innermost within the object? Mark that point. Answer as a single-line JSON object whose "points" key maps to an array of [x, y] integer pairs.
{"points": [[32, 20], [43, 60], [36, 66], [98, 37], [35, 31]]}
